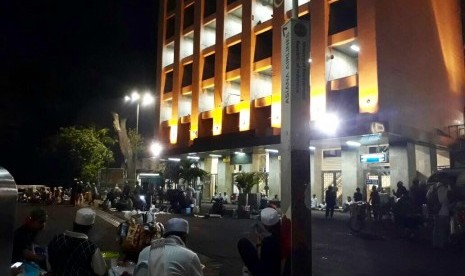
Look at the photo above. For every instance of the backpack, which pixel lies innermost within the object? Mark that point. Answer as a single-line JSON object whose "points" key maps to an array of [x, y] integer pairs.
{"points": [[432, 201]]}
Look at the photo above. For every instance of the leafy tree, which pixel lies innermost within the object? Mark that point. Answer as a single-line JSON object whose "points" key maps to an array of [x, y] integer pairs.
{"points": [[190, 172], [86, 148], [245, 181]]}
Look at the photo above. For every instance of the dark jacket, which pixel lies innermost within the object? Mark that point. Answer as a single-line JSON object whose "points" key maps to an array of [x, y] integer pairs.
{"points": [[330, 197]]}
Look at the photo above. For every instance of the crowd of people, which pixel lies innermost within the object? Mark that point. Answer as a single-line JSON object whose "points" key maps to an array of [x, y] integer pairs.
{"points": [[438, 205], [72, 253]]}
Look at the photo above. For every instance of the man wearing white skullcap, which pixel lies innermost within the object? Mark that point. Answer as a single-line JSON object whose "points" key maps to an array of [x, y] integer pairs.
{"points": [[269, 261], [72, 253], [169, 256]]}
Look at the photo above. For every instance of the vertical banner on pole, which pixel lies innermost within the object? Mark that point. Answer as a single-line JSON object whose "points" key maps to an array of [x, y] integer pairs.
{"points": [[295, 155]]}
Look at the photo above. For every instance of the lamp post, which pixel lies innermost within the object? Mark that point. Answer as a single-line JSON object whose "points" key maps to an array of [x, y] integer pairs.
{"points": [[145, 100]]}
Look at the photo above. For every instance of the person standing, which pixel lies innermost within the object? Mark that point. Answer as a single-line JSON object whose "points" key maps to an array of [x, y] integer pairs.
{"points": [[268, 262], [169, 256], [24, 238], [330, 199], [375, 202], [72, 253], [358, 195], [441, 227]]}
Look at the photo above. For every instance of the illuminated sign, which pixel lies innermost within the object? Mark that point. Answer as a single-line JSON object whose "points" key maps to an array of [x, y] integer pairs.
{"points": [[373, 158]]}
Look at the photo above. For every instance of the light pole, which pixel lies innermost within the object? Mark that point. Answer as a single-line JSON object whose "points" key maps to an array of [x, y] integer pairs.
{"points": [[145, 100]]}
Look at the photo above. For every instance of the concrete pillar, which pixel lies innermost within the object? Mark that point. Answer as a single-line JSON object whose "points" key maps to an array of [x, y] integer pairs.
{"points": [[223, 179], [426, 161], [316, 161], [402, 162], [319, 55], [351, 170], [274, 177]]}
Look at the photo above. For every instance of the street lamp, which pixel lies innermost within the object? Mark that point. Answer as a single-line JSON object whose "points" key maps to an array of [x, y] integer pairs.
{"points": [[145, 100]]}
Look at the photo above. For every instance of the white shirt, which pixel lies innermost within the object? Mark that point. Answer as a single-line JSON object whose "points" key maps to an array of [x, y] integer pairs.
{"points": [[314, 203], [168, 257]]}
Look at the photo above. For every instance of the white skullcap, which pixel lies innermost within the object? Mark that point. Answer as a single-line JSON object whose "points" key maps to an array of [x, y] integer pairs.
{"points": [[269, 216], [177, 225], [85, 216]]}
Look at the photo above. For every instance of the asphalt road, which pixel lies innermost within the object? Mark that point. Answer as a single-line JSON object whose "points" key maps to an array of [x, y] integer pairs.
{"points": [[335, 251]]}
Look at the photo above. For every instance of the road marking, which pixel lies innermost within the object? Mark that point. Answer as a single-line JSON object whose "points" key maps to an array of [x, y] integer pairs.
{"points": [[108, 217]]}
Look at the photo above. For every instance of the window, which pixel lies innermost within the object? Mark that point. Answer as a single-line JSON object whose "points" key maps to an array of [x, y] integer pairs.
{"points": [[263, 45], [209, 8], [169, 82], [188, 16], [342, 16], [343, 102], [209, 67], [187, 75], [170, 28], [234, 57], [171, 6], [331, 153]]}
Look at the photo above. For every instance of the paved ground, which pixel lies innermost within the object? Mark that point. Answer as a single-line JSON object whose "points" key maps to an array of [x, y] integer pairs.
{"points": [[335, 251]]}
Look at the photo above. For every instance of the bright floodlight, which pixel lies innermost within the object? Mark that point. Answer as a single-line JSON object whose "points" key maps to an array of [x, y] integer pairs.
{"points": [[328, 124], [156, 149], [355, 48], [127, 98], [147, 99], [135, 96]]}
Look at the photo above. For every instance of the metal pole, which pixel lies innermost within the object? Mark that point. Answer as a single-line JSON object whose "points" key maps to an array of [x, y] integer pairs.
{"points": [[295, 9], [135, 148]]}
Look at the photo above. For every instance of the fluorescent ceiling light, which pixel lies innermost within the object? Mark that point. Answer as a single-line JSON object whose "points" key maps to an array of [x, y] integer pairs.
{"points": [[148, 174], [311, 148], [174, 159], [193, 157], [272, 150], [239, 152], [215, 155], [353, 144], [355, 48]]}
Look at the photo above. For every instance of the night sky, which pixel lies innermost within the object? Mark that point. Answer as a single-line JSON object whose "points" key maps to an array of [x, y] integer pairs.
{"points": [[70, 63]]}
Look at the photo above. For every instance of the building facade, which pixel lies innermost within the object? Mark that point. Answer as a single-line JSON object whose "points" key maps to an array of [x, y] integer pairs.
{"points": [[386, 81]]}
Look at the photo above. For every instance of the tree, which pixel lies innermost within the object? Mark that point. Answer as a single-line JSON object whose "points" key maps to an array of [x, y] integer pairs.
{"points": [[86, 148], [129, 142], [190, 172], [245, 181]]}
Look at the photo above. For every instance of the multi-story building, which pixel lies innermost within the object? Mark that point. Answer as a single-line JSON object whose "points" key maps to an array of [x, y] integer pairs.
{"points": [[386, 81]]}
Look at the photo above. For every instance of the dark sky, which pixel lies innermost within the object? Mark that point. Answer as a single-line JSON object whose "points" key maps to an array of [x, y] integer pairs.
{"points": [[66, 63]]}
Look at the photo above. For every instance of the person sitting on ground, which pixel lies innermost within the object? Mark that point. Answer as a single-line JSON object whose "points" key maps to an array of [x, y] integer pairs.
{"points": [[215, 197], [24, 238], [169, 256], [72, 253], [347, 203], [314, 202], [268, 262], [225, 198]]}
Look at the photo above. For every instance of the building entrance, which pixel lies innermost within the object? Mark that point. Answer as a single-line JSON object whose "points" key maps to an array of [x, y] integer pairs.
{"points": [[333, 178]]}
